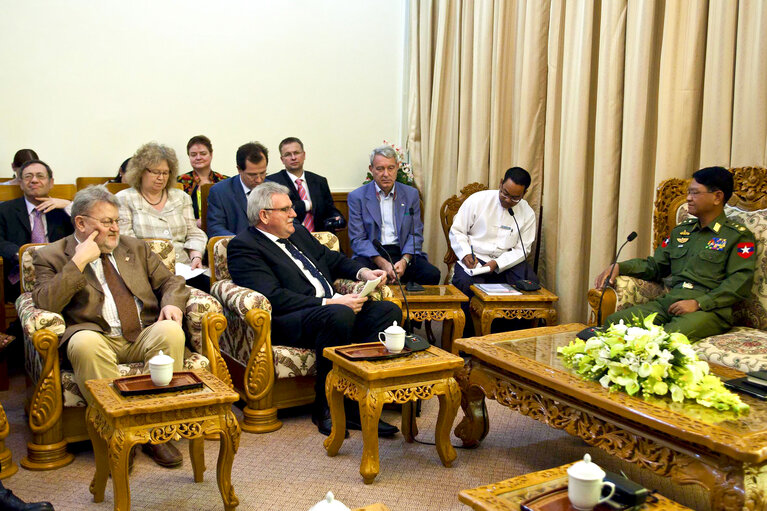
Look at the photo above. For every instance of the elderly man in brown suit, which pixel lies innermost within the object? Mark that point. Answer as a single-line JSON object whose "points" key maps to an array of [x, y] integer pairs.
{"points": [[120, 303]]}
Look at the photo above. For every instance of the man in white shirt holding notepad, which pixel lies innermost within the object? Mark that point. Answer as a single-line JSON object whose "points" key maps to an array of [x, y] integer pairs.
{"points": [[488, 241]]}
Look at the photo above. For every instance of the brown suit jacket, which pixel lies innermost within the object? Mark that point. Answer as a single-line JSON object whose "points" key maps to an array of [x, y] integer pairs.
{"points": [[78, 296]]}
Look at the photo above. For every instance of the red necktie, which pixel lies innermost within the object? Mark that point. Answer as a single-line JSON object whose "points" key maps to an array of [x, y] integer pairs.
{"points": [[309, 218]]}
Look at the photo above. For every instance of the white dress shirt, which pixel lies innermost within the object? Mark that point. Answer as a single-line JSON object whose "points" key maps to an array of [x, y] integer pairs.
{"points": [[483, 223], [388, 222], [293, 178]]}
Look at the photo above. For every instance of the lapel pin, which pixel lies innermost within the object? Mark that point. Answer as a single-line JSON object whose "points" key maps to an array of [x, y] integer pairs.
{"points": [[127, 258]]}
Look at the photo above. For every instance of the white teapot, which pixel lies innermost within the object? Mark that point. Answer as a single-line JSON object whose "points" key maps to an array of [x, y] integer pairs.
{"points": [[329, 503]]}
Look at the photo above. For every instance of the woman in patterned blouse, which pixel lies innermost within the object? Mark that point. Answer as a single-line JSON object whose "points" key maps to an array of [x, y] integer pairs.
{"points": [[200, 152], [154, 208]]}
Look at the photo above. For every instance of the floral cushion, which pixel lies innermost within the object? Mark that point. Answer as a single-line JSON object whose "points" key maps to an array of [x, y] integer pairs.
{"points": [[198, 304], [164, 249], [290, 362], [743, 348], [632, 291]]}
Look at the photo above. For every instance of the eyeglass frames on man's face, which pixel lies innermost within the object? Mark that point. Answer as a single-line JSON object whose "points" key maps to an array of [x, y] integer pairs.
{"points": [[512, 198], [106, 222], [284, 210], [158, 173], [693, 193]]}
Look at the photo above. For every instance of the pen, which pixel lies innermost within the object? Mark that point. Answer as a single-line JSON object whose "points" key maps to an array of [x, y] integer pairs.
{"points": [[472, 253]]}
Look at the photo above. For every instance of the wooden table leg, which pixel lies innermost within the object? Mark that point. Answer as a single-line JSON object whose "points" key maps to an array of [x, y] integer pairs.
{"points": [[475, 424], [455, 331], [7, 466], [448, 408], [755, 485], [337, 415], [409, 425], [120, 446], [370, 413], [99, 482], [229, 441], [197, 456]]}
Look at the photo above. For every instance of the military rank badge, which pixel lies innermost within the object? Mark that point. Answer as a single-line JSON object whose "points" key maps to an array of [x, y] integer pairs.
{"points": [[716, 244], [746, 249], [665, 243]]}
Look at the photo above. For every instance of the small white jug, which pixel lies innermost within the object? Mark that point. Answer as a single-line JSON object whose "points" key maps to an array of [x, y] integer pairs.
{"points": [[584, 484]]}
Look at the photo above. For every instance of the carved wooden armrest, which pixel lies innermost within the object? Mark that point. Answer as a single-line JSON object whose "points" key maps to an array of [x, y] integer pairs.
{"points": [[47, 402], [213, 324]]}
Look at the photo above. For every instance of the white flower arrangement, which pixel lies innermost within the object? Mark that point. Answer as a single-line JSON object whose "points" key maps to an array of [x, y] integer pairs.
{"points": [[645, 359]]}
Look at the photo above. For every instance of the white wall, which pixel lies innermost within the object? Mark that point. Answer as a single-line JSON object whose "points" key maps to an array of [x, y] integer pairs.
{"points": [[85, 82]]}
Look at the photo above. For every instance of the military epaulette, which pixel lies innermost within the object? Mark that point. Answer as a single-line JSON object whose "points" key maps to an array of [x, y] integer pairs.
{"points": [[690, 220], [735, 225]]}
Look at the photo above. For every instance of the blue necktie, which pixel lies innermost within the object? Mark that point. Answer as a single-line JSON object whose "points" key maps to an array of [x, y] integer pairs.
{"points": [[309, 266]]}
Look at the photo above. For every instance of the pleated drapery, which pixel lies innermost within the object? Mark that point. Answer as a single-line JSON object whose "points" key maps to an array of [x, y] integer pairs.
{"points": [[600, 101]]}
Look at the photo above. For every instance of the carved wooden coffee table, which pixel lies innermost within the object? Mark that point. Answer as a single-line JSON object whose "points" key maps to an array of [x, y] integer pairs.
{"points": [[116, 423], [437, 303], [529, 305], [508, 495], [684, 441], [372, 383]]}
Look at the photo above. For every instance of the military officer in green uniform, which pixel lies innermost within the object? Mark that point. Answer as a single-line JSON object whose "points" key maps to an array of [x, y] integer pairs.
{"points": [[710, 260]]}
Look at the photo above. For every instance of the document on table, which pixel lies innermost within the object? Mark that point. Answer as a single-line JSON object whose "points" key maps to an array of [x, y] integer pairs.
{"points": [[186, 271], [498, 289], [479, 270], [370, 285]]}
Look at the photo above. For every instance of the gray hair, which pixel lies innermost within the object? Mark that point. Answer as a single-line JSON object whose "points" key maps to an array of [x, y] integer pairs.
{"points": [[86, 198], [261, 198], [384, 150]]}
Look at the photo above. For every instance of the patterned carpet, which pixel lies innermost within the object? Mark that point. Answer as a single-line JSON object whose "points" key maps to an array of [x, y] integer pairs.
{"points": [[288, 469]]}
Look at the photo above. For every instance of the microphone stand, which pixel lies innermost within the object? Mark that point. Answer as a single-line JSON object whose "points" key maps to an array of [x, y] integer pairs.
{"points": [[412, 341], [413, 286], [523, 284]]}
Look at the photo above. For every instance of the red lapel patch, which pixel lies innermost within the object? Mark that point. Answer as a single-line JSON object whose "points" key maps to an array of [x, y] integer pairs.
{"points": [[665, 243], [746, 249]]}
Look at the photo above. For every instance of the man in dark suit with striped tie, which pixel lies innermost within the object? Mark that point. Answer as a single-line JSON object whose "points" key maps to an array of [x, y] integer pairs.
{"points": [[283, 261]]}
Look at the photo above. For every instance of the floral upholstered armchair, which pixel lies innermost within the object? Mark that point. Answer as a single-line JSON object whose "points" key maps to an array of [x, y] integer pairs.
{"points": [[56, 405], [268, 376], [744, 347]]}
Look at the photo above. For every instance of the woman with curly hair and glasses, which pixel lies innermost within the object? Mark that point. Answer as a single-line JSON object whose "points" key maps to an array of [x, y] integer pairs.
{"points": [[154, 208]]}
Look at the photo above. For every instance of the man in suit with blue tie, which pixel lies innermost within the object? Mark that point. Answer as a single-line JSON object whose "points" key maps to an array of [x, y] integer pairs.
{"points": [[228, 199], [389, 212]]}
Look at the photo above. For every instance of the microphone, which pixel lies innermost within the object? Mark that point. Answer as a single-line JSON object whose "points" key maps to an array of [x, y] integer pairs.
{"points": [[412, 341], [591, 331], [412, 285], [523, 284]]}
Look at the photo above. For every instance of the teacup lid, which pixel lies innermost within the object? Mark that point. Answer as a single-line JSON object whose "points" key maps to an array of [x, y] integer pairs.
{"points": [[329, 503], [586, 470], [394, 329], [160, 359]]}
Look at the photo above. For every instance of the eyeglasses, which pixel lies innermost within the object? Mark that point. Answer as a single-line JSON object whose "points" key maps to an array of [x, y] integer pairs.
{"points": [[284, 210], [512, 198], [107, 222], [157, 173], [694, 193], [29, 177]]}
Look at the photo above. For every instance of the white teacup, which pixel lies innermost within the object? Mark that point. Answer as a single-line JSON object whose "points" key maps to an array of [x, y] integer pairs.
{"points": [[585, 483], [394, 338], [161, 369]]}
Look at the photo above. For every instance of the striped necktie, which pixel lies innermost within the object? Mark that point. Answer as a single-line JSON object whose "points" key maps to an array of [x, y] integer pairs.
{"points": [[309, 266], [309, 218]]}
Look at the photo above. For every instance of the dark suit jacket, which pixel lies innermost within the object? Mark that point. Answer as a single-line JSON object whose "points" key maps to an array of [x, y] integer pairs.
{"points": [[365, 220], [227, 208], [319, 192], [15, 230], [257, 263], [78, 296]]}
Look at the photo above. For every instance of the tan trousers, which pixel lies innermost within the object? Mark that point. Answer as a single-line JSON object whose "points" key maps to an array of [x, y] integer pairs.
{"points": [[94, 355]]}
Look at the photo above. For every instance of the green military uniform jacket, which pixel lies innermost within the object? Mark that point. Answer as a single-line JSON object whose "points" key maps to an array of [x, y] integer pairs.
{"points": [[713, 264]]}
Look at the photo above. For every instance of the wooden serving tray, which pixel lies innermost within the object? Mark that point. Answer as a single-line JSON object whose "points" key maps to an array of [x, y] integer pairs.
{"points": [[370, 351], [142, 384], [555, 500]]}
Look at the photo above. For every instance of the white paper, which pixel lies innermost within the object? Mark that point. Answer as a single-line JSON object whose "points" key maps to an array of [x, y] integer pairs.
{"points": [[498, 289], [370, 285], [479, 270], [186, 271]]}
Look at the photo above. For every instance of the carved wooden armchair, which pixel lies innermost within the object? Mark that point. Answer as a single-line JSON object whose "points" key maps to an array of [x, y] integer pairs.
{"points": [[447, 212], [56, 407], [744, 347], [269, 377]]}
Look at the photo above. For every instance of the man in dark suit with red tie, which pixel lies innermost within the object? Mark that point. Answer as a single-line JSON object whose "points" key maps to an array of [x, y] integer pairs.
{"points": [[309, 192], [283, 261]]}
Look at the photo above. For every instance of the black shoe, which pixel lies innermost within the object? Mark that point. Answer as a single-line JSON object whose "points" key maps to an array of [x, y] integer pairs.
{"points": [[166, 455], [322, 420], [353, 422], [10, 502]]}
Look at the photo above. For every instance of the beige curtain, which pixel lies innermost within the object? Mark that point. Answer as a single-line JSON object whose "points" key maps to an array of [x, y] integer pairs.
{"points": [[600, 101]]}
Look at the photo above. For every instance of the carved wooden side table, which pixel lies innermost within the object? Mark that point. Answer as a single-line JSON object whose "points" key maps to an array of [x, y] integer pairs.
{"points": [[7, 466], [372, 383], [529, 305], [437, 303], [117, 423], [508, 495]]}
